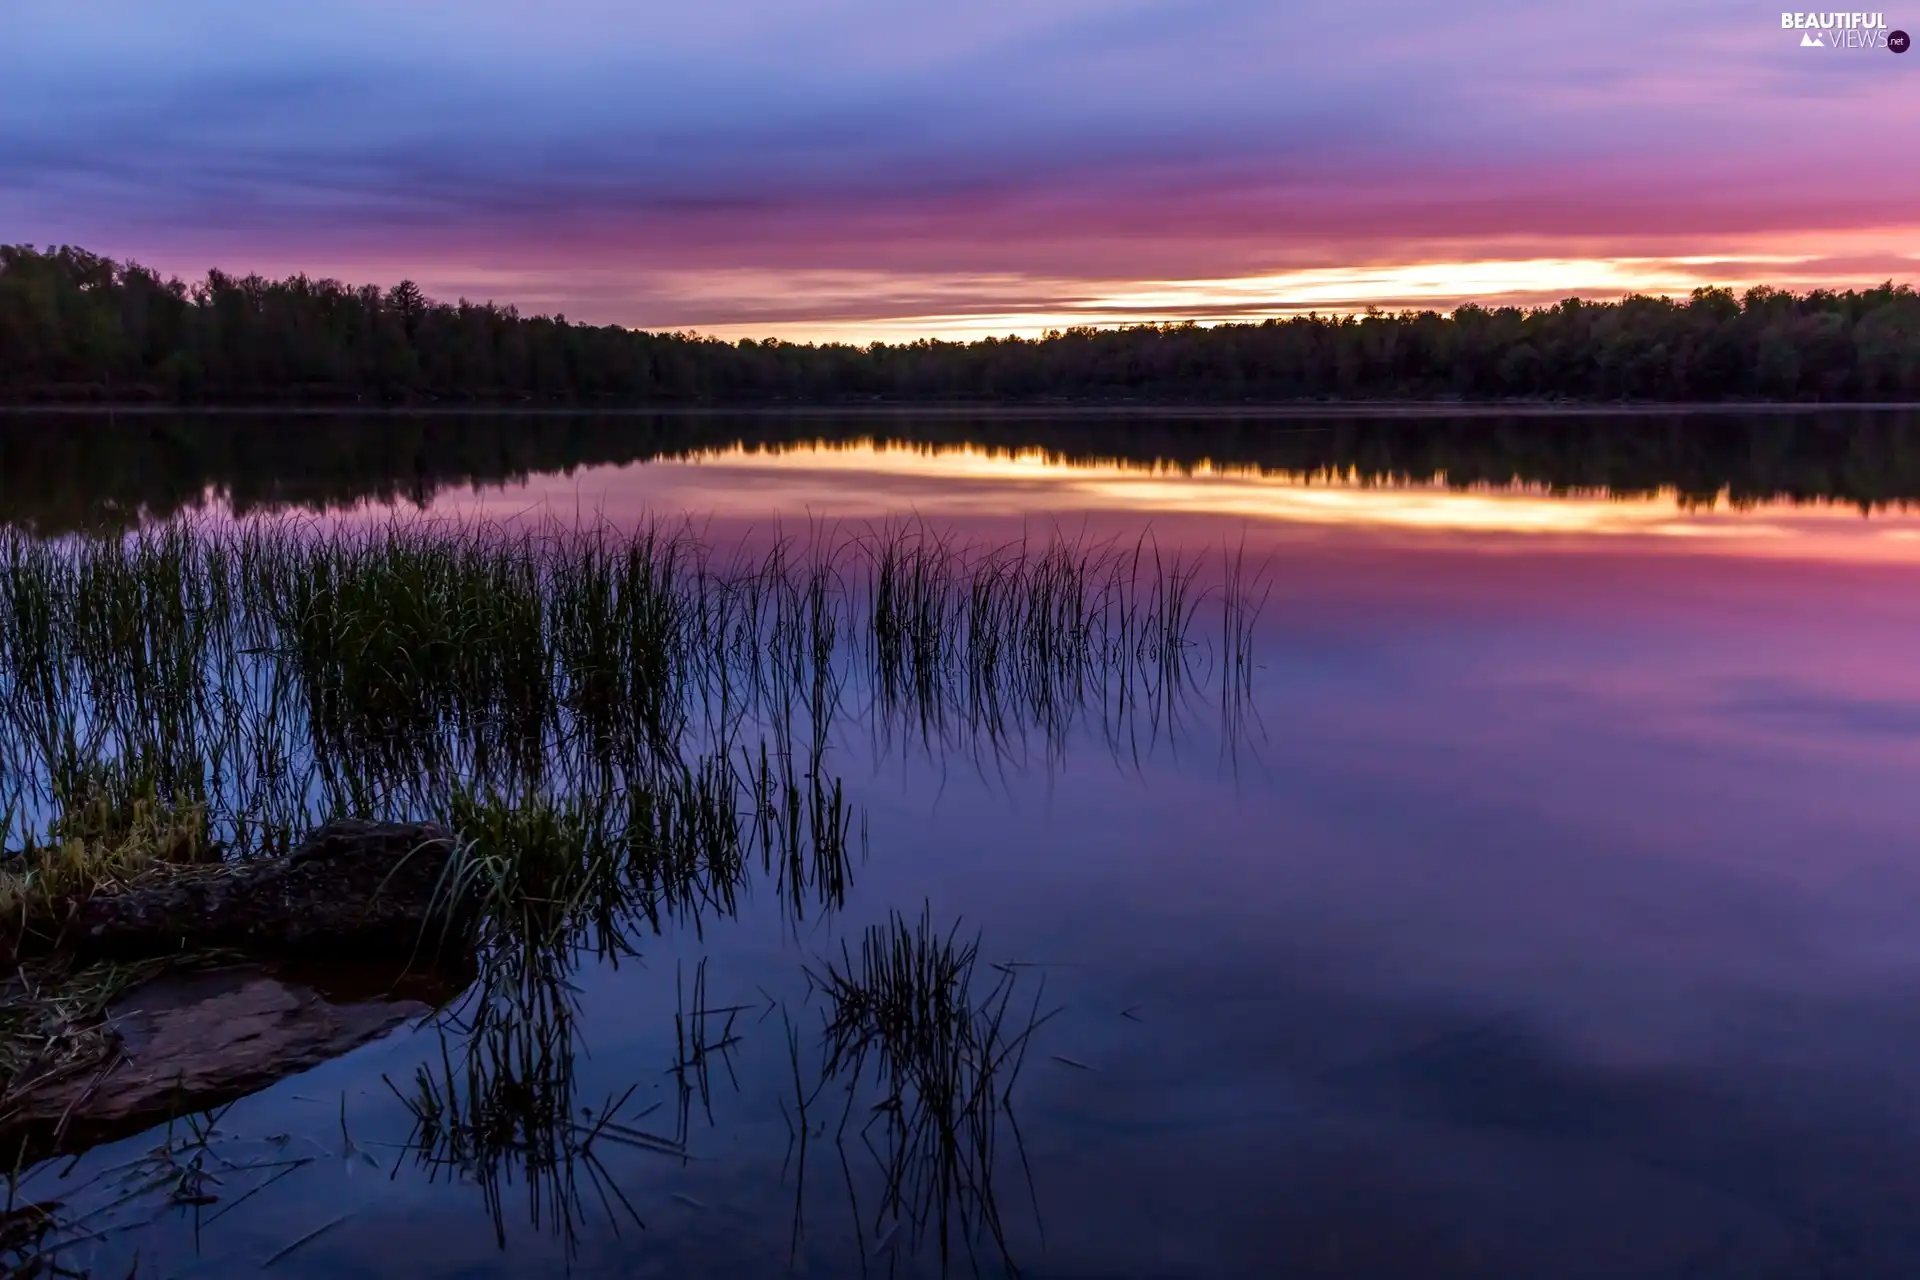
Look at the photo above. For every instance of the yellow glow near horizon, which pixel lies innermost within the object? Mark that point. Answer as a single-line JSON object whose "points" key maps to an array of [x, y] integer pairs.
{"points": [[865, 481], [963, 308]]}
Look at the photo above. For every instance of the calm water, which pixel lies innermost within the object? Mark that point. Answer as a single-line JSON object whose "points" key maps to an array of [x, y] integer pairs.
{"points": [[1554, 912]]}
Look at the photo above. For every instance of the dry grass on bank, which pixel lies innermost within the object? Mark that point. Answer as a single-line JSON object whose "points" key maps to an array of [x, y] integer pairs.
{"points": [[113, 834]]}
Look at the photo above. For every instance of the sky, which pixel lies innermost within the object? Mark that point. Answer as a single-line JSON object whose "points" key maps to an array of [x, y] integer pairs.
{"points": [[883, 169]]}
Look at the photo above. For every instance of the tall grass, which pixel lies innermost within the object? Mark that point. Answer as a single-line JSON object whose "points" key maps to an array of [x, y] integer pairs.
{"points": [[275, 675], [623, 730]]}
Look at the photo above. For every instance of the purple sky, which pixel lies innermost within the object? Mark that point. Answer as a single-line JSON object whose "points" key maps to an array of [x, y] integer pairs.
{"points": [[861, 167]]}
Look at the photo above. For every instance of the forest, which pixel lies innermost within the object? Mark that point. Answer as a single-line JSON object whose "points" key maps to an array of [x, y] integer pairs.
{"points": [[105, 472], [76, 327]]}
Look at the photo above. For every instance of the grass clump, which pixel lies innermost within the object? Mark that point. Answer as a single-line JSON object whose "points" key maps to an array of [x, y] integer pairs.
{"points": [[621, 729], [275, 674], [113, 832]]}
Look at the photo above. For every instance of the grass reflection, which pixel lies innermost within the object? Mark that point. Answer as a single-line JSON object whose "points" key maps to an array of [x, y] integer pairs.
{"points": [[624, 733], [909, 1035]]}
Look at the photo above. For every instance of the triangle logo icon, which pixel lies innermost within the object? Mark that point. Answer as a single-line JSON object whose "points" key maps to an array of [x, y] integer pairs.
{"points": [[1812, 41]]}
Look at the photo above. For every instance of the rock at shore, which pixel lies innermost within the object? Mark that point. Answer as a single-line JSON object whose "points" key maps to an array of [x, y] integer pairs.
{"points": [[373, 888], [353, 932], [193, 1040]]}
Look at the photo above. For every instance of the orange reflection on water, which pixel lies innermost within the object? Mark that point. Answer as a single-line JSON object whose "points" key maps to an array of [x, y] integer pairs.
{"points": [[867, 481]]}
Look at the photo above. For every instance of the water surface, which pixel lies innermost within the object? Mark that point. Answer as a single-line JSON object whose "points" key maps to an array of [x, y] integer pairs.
{"points": [[1550, 910]]}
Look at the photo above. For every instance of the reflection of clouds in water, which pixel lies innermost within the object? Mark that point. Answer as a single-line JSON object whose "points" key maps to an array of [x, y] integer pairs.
{"points": [[1480, 1137], [867, 481], [1795, 706]]}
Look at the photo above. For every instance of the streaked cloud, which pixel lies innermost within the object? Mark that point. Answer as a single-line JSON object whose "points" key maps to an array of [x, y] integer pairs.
{"points": [[814, 168]]}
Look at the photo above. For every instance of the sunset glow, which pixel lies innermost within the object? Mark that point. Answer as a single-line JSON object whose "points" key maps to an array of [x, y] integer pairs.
{"points": [[1008, 490], [1440, 286], [867, 171], [1320, 598]]}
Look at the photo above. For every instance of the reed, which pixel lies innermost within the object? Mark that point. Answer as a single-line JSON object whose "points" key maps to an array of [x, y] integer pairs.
{"points": [[110, 832], [276, 674], [557, 880], [907, 1024], [623, 729]]}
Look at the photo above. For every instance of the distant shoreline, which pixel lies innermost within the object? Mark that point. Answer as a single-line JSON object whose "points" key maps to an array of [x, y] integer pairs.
{"points": [[995, 409], [87, 330]]}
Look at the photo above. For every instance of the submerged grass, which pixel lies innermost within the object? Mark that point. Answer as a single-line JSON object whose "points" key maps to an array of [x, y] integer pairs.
{"points": [[622, 729]]}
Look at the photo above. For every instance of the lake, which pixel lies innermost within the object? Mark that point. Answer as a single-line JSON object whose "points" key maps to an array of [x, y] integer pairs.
{"points": [[1534, 894]]}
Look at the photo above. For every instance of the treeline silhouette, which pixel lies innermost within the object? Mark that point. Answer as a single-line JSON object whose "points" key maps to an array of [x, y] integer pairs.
{"points": [[103, 473], [75, 326]]}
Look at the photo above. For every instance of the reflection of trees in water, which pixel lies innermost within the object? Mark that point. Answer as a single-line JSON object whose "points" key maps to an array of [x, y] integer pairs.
{"points": [[66, 472]]}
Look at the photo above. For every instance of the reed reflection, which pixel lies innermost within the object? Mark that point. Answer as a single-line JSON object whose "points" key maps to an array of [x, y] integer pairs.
{"points": [[624, 732]]}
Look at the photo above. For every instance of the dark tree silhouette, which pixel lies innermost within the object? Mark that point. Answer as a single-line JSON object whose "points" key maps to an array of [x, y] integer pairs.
{"points": [[79, 327], [106, 471]]}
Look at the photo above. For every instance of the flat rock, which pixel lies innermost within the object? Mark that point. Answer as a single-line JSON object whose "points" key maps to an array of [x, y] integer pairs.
{"points": [[190, 1041]]}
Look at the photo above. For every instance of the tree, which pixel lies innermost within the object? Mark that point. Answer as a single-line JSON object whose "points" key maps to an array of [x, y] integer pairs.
{"points": [[76, 325]]}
